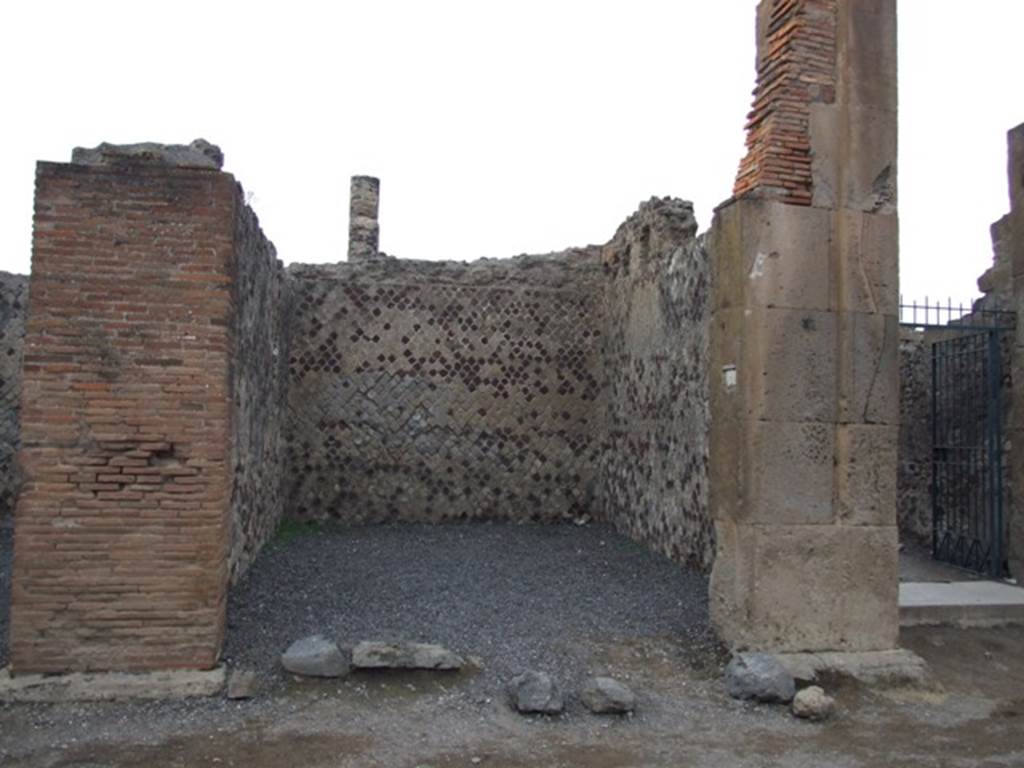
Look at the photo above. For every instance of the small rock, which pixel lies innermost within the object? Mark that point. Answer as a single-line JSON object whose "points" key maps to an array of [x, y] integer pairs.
{"points": [[377, 655], [315, 656], [606, 695], [812, 703], [243, 684], [535, 692], [759, 676]]}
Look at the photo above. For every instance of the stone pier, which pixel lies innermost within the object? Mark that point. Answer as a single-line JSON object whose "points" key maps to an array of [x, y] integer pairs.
{"points": [[804, 339]]}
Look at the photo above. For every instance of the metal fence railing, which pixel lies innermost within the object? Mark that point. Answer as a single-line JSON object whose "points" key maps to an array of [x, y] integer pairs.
{"points": [[936, 314]]}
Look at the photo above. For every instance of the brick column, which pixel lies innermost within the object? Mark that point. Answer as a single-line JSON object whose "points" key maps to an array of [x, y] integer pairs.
{"points": [[121, 527], [804, 340], [363, 229]]}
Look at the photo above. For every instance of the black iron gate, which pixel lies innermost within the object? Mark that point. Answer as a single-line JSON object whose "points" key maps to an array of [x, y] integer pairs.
{"points": [[967, 495]]}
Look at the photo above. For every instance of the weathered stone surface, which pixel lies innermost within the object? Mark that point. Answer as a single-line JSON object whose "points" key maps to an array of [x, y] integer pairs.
{"points": [[260, 392], [763, 599], [315, 656], [535, 693], [242, 684], [913, 479], [652, 478], [199, 154], [110, 686], [894, 667], [759, 676], [866, 474], [606, 695], [13, 307], [812, 703], [378, 655], [784, 495]]}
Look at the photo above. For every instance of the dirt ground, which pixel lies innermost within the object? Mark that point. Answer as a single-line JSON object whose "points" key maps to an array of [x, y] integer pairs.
{"points": [[972, 715]]}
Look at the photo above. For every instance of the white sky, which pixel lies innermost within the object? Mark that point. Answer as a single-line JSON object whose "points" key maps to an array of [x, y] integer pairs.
{"points": [[497, 128]]}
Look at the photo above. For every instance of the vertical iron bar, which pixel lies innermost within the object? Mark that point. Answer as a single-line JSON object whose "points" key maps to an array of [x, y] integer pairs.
{"points": [[935, 450]]}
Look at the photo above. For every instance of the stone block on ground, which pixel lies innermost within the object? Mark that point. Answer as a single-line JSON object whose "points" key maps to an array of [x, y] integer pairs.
{"points": [[759, 676], [812, 703], [315, 656], [535, 693], [377, 655], [110, 686], [606, 695], [242, 684]]}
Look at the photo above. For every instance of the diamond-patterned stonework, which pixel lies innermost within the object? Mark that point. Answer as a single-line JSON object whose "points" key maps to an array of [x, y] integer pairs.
{"points": [[427, 390]]}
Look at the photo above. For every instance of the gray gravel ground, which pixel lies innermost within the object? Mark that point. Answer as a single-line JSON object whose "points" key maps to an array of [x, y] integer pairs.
{"points": [[515, 596], [6, 559]]}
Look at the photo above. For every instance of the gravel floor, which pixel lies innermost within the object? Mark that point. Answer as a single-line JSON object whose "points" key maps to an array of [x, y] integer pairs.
{"points": [[516, 596], [6, 560]]}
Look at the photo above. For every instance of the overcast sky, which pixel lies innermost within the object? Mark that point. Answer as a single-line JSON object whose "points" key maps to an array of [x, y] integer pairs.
{"points": [[497, 128]]}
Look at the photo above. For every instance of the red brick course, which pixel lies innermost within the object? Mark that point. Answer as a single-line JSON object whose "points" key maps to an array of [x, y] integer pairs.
{"points": [[122, 523], [796, 67]]}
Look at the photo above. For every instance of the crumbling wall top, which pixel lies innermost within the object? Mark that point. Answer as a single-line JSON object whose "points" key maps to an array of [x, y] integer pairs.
{"points": [[199, 154]]}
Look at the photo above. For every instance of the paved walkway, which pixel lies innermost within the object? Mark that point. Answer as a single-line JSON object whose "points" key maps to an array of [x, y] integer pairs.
{"points": [[962, 603]]}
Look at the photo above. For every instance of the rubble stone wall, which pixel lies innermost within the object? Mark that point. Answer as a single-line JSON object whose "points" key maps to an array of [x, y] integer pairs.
{"points": [[260, 374], [913, 480], [653, 473], [13, 306]]}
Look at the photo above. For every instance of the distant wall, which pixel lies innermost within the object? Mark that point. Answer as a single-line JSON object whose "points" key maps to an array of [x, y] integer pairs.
{"points": [[913, 479], [435, 390], [260, 373], [653, 474], [13, 306]]}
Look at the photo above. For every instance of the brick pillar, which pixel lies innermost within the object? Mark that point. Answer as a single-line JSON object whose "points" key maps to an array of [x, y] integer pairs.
{"points": [[1015, 239], [121, 527], [804, 340], [363, 229]]}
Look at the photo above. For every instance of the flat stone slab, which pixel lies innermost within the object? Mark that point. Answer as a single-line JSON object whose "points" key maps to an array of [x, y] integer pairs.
{"points": [[961, 604], [107, 686], [371, 654], [893, 667]]}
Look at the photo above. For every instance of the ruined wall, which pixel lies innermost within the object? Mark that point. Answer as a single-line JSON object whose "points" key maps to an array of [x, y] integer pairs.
{"points": [[779, 158], [13, 306], [914, 473], [260, 375], [1012, 233], [122, 523], [433, 390], [653, 471]]}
